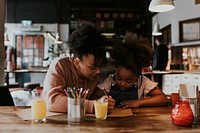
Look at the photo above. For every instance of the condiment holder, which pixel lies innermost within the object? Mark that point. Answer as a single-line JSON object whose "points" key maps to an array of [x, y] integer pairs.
{"points": [[191, 92]]}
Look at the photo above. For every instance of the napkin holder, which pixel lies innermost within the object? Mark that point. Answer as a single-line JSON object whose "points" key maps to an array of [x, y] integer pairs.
{"points": [[191, 92]]}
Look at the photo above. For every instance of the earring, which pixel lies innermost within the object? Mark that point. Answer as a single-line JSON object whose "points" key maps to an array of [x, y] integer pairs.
{"points": [[76, 63]]}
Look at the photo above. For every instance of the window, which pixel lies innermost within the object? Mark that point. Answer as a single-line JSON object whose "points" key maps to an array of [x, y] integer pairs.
{"points": [[190, 30], [29, 50]]}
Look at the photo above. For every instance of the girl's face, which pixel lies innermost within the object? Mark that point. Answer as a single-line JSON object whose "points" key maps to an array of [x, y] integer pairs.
{"points": [[86, 67], [125, 78]]}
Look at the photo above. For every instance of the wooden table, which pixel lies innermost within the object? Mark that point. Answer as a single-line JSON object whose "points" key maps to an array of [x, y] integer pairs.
{"points": [[147, 120]]}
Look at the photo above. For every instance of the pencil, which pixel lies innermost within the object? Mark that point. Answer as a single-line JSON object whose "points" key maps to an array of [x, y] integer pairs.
{"points": [[80, 92], [66, 92], [75, 92], [85, 94], [70, 89], [105, 92]]}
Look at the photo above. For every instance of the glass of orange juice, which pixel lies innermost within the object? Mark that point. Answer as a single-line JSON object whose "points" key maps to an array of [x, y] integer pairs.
{"points": [[38, 108], [101, 107]]}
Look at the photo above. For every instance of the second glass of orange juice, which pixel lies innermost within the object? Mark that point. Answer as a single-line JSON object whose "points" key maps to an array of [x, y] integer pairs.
{"points": [[101, 107]]}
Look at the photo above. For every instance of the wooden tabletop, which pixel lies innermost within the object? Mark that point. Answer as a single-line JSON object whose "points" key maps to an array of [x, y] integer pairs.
{"points": [[147, 120]]}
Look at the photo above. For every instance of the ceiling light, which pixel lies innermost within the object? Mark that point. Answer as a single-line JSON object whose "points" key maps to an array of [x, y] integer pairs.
{"points": [[161, 5], [6, 40], [156, 30], [6, 37]]}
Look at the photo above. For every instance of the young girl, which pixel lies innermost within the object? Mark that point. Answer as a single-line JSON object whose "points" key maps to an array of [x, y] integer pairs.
{"points": [[128, 86]]}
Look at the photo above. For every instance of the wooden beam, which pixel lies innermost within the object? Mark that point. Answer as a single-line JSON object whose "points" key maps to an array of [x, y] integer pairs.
{"points": [[2, 49]]}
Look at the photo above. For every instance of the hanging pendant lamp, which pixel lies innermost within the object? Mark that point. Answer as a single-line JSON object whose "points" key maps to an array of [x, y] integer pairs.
{"points": [[156, 30], [161, 5], [6, 39]]}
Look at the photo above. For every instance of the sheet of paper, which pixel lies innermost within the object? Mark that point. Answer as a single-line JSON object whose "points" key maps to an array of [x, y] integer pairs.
{"points": [[25, 114], [119, 112]]}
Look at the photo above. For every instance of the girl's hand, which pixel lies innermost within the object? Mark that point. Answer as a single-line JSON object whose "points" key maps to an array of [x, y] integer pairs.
{"points": [[130, 104], [111, 103]]}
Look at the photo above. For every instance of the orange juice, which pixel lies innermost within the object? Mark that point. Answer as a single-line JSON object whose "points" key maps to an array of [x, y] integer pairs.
{"points": [[101, 109], [38, 110]]}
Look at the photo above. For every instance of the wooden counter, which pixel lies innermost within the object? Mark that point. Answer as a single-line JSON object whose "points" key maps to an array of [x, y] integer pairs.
{"points": [[157, 75], [27, 71], [23, 71], [145, 120]]}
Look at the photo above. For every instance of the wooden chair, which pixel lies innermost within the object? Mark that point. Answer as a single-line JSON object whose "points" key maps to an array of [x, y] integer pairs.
{"points": [[5, 97], [174, 97], [31, 85]]}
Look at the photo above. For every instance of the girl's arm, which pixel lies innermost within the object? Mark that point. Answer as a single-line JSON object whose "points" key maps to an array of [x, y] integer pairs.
{"points": [[156, 98]]}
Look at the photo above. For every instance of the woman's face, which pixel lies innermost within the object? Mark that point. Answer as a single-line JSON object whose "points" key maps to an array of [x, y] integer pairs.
{"points": [[86, 67], [125, 78]]}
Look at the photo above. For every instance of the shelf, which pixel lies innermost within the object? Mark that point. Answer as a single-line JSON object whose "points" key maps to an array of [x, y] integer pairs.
{"points": [[190, 43], [30, 28], [115, 20]]}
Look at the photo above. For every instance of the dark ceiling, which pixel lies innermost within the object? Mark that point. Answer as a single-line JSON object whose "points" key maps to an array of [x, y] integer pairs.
{"points": [[50, 7], [58, 11], [141, 5], [128, 4]]}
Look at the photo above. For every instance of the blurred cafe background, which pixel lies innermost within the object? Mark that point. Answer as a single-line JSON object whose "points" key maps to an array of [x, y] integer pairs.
{"points": [[34, 32]]}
